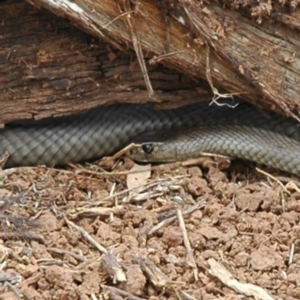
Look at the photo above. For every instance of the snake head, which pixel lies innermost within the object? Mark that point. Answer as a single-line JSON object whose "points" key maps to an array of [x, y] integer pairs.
{"points": [[151, 152], [155, 146]]}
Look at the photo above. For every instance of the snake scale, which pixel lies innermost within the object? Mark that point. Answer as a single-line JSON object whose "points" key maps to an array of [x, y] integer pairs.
{"points": [[241, 131]]}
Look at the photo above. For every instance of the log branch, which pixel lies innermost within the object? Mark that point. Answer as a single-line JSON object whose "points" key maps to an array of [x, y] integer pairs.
{"points": [[260, 62]]}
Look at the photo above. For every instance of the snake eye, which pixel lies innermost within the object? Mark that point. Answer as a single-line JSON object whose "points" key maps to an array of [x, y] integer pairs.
{"points": [[147, 148]]}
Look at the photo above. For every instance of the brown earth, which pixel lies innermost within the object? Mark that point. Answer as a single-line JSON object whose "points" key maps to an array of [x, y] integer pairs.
{"points": [[78, 233]]}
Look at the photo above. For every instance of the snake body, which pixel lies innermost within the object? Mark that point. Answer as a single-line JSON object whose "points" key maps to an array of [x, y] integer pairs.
{"points": [[254, 144], [105, 130], [88, 136]]}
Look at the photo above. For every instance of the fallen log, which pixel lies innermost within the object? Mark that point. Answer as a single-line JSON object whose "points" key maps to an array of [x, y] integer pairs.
{"points": [[49, 68], [256, 58]]}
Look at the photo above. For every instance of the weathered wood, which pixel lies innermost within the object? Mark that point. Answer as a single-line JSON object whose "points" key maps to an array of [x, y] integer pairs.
{"points": [[260, 62], [50, 68]]}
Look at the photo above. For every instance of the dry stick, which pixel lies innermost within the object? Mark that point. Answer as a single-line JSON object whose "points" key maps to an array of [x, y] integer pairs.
{"points": [[152, 184], [144, 186], [155, 275], [159, 279], [82, 212], [15, 290], [51, 261], [291, 256], [32, 236], [168, 221], [87, 264], [9, 279], [87, 236], [215, 91], [112, 174], [31, 280], [135, 198], [93, 296], [116, 293], [226, 278], [111, 265], [61, 251], [272, 177], [190, 257], [139, 53], [292, 185], [10, 276], [118, 17], [185, 296], [101, 171]]}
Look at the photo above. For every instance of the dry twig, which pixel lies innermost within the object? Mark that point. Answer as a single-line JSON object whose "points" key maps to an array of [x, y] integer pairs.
{"points": [[251, 290]]}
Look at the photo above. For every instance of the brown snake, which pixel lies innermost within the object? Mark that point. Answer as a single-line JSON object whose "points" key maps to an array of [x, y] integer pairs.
{"points": [[175, 134]]}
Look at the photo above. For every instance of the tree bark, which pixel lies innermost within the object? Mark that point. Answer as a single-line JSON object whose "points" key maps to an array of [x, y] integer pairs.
{"points": [[204, 40], [49, 68]]}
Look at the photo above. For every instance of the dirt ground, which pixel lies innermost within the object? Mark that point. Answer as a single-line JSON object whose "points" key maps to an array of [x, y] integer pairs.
{"points": [[220, 231]]}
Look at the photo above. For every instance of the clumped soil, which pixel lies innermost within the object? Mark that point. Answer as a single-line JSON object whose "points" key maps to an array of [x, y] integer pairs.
{"points": [[175, 233]]}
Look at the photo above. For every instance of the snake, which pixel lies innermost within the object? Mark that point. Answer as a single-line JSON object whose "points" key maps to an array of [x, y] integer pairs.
{"points": [[235, 129]]}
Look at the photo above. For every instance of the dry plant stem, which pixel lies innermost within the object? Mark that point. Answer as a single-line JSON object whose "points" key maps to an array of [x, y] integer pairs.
{"points": [[8, 276], [116, 293], [93, 297], [138, 49], [273, 178], [143, 233], [87, 236], [251, 290], [291, 184], [216, 93], [61, 251], [190, 257], [44, 262], [155, 275], [87, 264], [185, 296], [139, 188], [291, 255], [186, 212], [111, 265], [15, 290], [22, 236], [96, 211]]}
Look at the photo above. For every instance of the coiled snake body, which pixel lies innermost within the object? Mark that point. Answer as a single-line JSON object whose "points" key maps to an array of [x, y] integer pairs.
{"points": [[243, 132]]}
